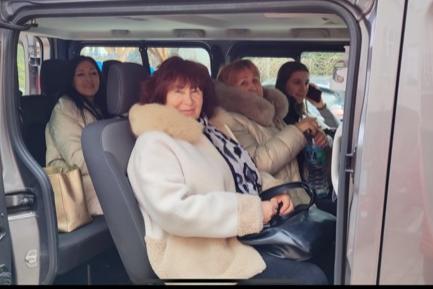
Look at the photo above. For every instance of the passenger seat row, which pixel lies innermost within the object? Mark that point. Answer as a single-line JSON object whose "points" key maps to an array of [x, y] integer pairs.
{"points": [[35, 110], [107, 145], [80, 246]]}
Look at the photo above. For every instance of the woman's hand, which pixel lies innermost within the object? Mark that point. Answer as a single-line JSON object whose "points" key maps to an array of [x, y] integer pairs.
{"points": [[269, 209], [320, 139], [308, 125], [287, 204]]}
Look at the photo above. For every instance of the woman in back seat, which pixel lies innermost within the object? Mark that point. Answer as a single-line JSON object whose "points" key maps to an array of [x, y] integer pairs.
{"points": [[82, 104], [293, 80], [255, 116]]}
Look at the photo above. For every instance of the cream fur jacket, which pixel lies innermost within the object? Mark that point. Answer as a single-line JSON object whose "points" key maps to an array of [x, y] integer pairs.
{"points": [[186, 194], [257, 124], [63, 138]]}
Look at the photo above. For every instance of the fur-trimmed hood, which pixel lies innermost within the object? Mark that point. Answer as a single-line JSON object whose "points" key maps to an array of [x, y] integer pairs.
{"points": [[151, 117], [266, 110]]}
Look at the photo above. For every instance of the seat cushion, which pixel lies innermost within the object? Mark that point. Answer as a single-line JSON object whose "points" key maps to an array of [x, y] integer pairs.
{"points": [[81, 245]]}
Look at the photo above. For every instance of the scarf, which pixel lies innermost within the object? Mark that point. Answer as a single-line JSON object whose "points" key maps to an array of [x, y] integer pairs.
{"points": [[245, 173]]}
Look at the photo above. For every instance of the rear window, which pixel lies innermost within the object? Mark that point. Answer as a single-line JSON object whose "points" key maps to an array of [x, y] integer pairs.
{"points": [[268, 67], [328, 70], [21, 65], [157, 55], [103, 53]]}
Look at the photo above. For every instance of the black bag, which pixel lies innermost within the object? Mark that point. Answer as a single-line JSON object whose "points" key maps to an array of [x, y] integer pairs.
{"points": [[302, 234]]}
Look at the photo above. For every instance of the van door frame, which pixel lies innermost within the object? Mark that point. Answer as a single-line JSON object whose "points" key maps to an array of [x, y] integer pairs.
{"points": [[33, 228], [19, 12], [5, 239]]}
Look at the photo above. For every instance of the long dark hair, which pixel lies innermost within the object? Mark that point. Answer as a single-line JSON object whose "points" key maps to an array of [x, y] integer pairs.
{"points": [[154, 90], [284, 73], [99, 106]]}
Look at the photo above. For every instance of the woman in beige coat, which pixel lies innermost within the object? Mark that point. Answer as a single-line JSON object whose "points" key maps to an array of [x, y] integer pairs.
{"points": [[196, 188], [254, 115], [82, 104]]}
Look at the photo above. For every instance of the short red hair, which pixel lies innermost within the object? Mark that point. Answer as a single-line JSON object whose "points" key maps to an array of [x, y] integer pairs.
{"points": [[176, 70]]}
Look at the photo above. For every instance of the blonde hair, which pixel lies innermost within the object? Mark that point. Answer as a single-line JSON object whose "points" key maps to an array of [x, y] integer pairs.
{"points": [[227, 72]]}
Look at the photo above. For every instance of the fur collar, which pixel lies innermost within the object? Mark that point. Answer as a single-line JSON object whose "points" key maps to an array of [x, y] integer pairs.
{"points": [[151, 117], [266, 110]]}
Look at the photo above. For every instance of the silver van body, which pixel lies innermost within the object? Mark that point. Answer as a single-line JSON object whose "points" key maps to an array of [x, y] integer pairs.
{"points": [[384, 192]]}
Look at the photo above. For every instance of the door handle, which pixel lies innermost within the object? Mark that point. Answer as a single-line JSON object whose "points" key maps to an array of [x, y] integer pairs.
{"points": [[19, 200]]}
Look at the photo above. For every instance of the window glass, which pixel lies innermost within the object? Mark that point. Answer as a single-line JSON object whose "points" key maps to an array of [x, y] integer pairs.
{"points": [[158, 54], [46, 48], [328, 70], [268, 67], [21, 66], [34, 50], [29, 60], [103, 53]]}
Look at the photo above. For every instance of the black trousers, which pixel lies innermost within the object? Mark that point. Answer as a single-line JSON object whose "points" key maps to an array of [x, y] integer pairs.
{"points": [[285, 271]]}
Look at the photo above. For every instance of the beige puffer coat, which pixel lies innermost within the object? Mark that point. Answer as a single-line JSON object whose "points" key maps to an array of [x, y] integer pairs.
{"points": [[257, 124], [63, 138]]}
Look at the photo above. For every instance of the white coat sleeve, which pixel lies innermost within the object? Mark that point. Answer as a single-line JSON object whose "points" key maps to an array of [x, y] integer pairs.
{"points": [[159, 185]]}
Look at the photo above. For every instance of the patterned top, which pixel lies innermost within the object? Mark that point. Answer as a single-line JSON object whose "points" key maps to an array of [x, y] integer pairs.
{"points": [[245, 173]]}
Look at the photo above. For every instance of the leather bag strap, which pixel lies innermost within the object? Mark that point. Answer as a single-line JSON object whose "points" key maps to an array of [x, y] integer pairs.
{"points": [[283, 189]]}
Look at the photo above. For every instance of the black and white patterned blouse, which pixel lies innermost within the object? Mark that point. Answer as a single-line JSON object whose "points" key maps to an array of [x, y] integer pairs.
{"points": [[245, 173]]}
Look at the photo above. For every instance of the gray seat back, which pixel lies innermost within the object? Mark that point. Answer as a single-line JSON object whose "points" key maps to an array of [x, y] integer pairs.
{"points": [[107, 145]]}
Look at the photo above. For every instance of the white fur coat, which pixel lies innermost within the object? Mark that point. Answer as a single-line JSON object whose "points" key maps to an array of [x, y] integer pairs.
{"points": [[186, 195]]}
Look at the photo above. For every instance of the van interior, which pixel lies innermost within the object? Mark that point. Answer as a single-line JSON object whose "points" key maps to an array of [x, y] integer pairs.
{"points": [[130, 41]]}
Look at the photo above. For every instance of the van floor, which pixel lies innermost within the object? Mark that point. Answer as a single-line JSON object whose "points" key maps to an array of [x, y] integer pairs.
{"points": [[104, 269]]}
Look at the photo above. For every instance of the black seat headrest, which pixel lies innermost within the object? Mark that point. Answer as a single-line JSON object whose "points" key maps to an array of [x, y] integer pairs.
{"points": [[106, 67], [123, 86], [54, 76]]}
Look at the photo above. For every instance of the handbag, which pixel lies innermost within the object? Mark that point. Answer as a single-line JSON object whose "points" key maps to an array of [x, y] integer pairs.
{"points": [[302, 234], [70, 202]]}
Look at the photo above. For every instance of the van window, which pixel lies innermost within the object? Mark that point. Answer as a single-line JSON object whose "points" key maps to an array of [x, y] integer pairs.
{"points": [[268, 67], [29, 59], [103, 53], [21, 66], [328, 70], [157, 55], [46, 48]]}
